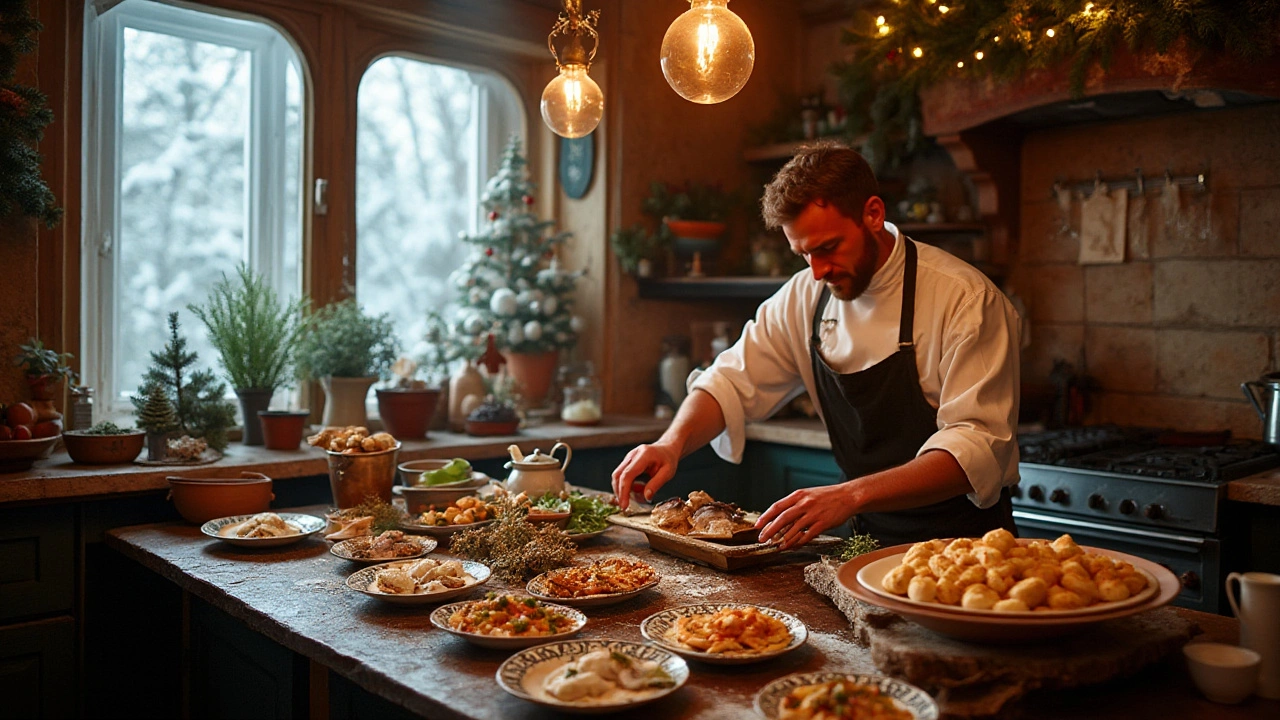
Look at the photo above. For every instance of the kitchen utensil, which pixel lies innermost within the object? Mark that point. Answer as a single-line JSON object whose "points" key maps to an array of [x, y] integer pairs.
{"points": [[1259, 613], [1266, 400]]}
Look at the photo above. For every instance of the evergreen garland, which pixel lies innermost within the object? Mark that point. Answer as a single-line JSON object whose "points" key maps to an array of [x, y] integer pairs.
{"points": [[198, 398], [902, 46], [156, 413], [24, 115]]}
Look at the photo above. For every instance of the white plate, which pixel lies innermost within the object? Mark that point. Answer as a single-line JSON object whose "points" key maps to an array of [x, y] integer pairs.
{"points": [[310, 525], [660, 628], [539, 588], [442, 531], [907, 697], [440, 618], [345, 549], [522, 674], [871, 575], [361, 579]]}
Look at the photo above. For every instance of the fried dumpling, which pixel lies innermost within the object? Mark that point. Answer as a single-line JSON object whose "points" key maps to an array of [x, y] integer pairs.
{"points": [[672, 515], [357, 527], [715, 520]]}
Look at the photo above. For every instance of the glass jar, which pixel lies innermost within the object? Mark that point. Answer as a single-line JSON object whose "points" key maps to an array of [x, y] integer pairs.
{"points": [[81, 408], [582, 402]]}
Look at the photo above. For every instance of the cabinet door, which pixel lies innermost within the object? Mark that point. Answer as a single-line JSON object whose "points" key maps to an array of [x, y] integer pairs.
{"points": [[238, 673], [38, 669], [37, 561], [776, 471]]}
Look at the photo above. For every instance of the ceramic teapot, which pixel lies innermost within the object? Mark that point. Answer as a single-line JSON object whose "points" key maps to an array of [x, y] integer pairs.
{"points": [[537, 474]]}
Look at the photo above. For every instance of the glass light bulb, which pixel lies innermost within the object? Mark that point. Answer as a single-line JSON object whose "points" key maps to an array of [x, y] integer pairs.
{"points": [[708, 53], [572, 103]]}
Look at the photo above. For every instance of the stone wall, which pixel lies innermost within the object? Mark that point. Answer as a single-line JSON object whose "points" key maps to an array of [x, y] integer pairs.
{"points": [[1195, 309]]}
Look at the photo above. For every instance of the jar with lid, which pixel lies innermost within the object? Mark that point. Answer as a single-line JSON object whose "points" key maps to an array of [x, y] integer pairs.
{"points": [[673, 372], [81, 408], [582, 402]]}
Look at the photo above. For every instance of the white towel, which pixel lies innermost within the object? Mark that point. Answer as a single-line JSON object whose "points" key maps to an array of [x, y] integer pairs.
{"points": [[1103, 219]]}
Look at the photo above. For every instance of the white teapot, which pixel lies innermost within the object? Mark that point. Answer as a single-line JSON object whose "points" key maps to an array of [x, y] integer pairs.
{"points": [[537, 474]]}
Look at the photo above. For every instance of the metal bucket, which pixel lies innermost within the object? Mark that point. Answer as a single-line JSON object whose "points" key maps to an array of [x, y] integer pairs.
{"points": [[354, 478]]}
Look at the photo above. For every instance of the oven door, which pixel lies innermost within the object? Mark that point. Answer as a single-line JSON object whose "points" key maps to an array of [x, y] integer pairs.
{"points": [[1194, 559]]}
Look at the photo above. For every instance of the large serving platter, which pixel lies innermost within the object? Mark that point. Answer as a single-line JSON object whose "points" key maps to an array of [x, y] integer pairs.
{"points": [[907, 697], [361, 579], [347, 549], [990, 627], [440, 618], [722, 555], [217, 528], [523, 674], [660, 628], [541, 589]]}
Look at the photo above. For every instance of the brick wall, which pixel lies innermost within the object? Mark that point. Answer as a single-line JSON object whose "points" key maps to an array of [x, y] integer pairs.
{"points": [[1195, 309]]}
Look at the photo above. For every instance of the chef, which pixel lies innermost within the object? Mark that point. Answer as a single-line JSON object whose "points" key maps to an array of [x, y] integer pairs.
{"points": [[910, 355]]}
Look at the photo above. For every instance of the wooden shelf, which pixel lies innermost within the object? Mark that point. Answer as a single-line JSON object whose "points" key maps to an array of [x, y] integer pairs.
{"points": [[926, 228], [711, 288]]}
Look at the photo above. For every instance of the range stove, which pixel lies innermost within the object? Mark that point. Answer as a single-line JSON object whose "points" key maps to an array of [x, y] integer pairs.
{"points": [[1153, 493]]}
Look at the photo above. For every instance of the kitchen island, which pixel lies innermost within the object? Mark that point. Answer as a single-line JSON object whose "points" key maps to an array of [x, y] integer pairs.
{"points": [[295, 597]]}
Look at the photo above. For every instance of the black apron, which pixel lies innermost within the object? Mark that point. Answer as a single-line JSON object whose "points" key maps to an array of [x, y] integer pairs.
{"points": [[878, 418]]}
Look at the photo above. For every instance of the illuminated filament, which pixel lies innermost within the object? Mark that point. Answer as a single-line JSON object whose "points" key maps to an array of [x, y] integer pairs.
{"points": [[708, 41], [573, 95]]}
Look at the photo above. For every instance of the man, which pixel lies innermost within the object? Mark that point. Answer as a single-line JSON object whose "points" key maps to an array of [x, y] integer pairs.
{"points": [[910, 354]]}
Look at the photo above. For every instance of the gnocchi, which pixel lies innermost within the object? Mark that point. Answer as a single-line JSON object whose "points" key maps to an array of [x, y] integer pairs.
{"points": [[351, 440]]}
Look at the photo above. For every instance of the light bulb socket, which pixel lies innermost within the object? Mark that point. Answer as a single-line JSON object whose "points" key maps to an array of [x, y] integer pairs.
{"points": [[574, 53]]}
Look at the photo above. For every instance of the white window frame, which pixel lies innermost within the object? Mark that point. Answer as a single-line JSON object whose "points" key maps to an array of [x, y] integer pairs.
{"points": [[265, 161]]}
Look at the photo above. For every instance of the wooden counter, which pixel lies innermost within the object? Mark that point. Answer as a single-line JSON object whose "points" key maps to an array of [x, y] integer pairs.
{"points": [[296, 597]]}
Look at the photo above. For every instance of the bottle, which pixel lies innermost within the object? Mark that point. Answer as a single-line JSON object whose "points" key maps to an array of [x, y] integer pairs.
{"points": [[81, 408], [721, 341], [673, 372]]}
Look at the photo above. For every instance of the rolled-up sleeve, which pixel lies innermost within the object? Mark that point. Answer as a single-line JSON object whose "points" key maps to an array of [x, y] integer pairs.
{"points": [[978, 401]]}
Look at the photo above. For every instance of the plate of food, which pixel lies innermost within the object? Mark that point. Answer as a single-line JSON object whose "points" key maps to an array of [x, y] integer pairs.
{"points": [[843, 696], [603, 582], [725, 633], [266, 529], [592, 676], [390, 545], [442, 522], [419, 582], [508, 621]]}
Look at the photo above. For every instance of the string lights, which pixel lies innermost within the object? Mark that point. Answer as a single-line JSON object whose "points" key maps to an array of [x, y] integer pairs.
{"points": [[572, 103]]}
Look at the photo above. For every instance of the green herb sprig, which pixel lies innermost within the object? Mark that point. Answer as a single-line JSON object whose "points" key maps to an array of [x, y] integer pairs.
{"points": [[853, 546]]}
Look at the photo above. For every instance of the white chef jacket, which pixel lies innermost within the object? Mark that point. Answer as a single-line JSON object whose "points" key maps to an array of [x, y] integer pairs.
{"points": [[966, 349]]}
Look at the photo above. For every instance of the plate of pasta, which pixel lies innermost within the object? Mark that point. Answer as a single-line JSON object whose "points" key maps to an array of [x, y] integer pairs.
{"points": [[725, 633], [843, 696], [508, 622], [604, 582]]}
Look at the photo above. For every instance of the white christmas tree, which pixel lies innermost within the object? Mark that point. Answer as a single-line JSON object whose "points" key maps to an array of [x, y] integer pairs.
{"points": [[512, 285]]}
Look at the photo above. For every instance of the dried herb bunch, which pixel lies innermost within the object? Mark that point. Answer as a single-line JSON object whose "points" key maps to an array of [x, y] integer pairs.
{"points": [[385, 516], [513, 547]]}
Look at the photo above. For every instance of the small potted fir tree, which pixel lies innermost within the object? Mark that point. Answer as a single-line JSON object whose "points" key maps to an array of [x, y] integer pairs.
{"points": [[347, 351], [157, 418]]}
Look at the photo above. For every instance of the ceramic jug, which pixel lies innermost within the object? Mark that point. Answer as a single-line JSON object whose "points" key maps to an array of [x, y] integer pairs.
{"points": [[538, 474], [1264, 393], [1259, 613]]}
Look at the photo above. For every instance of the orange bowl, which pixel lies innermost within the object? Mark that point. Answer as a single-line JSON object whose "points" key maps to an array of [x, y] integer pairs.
{"points": [[200, 500], [695, 229], [89, 449], [19, 455]]}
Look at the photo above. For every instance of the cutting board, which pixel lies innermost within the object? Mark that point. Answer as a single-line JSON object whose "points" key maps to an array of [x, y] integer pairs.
{"points": [[719, 555]]}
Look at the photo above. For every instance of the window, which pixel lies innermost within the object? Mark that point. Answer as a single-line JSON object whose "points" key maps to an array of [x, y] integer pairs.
{"points": [[192, 165], [428, 138]]}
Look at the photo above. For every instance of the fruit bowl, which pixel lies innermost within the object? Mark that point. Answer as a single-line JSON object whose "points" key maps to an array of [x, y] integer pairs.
{"points": [[19, 455]]}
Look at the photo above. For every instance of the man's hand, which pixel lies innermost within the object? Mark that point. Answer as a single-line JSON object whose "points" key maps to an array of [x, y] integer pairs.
{"points": [[658, 461], [804, 514]]}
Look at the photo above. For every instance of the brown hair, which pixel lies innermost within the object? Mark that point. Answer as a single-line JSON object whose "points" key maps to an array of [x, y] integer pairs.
{"points": [[828, 172]]}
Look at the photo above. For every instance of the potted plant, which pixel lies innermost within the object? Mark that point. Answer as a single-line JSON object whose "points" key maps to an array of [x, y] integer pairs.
{"points": [[104, 444], [347, 351], [283, 429], [256, 335], [196, 397], [637, 249], [44, 368], [157, 419], [407, 406], [693, 215]]}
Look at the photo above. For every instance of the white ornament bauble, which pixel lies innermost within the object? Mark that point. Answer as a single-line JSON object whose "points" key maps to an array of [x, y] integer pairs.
{"points": [[523, 298], [473, 324], [503, 302], [527, 261], [522, 284], [549, 305], [535, 308], [515, 335], [576, 324], [475, 295], [533, 331]]}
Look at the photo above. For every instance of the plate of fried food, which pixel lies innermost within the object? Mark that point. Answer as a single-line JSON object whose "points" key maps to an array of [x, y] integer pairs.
{"points": [[592, 676], [442, 522], [389, 545], [843, 696], [265, 529], [603, 582], [508, 622], [419, 582], [725, 633]]}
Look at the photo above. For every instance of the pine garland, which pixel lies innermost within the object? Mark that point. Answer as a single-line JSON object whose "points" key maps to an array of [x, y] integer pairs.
{"points": [[24, 115], [198, 398], [902, 46]]}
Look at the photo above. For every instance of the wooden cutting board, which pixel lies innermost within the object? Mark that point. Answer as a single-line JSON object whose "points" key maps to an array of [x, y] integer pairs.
{"points": [[719, 555]]}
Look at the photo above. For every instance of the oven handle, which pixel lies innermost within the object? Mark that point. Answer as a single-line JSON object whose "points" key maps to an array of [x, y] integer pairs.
{"points": [[1108, 528]]}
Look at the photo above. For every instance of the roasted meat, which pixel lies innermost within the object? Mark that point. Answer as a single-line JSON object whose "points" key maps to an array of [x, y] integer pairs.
{"points": [[672, 515]]}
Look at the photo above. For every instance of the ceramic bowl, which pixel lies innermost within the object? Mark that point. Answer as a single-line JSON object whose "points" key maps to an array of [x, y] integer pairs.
{"points": [[200, 500], [559, 519], [89, 449], [1224, 673], [19, 455]]}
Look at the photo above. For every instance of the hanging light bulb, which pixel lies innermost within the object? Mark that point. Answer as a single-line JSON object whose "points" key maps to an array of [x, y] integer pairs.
{"points": [[572, 103], [708, 53]]}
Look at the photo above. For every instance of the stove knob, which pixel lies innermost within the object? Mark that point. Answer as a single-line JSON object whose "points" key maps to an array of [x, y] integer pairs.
{"points": [[1035, 492], [1015, 491], [1190, 580], [1097, 502], [1127, 507], [1060, 496], [1153, 511]]}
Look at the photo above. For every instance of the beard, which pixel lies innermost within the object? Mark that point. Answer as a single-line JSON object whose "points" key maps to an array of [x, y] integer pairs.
{"points": [[849, 287]]}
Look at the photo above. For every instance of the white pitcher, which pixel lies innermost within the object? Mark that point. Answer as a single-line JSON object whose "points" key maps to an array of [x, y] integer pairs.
{"points": [[537, 474], [1259, 613]]}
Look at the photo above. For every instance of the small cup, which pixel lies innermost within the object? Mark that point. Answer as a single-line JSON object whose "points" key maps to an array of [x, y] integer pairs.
{"points": [[1223, 673]]}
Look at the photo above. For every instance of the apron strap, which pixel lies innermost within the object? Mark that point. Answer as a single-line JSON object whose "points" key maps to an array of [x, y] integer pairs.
{"points": [[906, 327]]}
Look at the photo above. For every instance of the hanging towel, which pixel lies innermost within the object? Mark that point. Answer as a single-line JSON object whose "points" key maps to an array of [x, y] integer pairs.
{"points": [[1103, 219]]}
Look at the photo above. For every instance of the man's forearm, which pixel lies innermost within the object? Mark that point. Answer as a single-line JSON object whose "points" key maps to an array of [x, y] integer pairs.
{"points": [[699, 420], [930, 478]]}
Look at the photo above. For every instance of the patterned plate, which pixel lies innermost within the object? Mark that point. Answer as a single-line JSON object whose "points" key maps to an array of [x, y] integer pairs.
{"points": [[346, 549], [440, 618], [539, 588], [907, 697], [660, 628], [310, 525], [441, 531], [361, 579], [522, 674]]}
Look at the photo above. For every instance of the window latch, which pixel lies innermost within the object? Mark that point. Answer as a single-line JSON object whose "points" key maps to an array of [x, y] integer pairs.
{"points": [[322, 196], [105, 246]]}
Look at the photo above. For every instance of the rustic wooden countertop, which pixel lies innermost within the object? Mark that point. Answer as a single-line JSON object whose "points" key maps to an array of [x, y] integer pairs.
{"points": [[296, 596]]}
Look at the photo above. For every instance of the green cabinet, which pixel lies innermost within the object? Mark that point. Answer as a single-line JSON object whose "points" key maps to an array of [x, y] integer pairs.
{"points": [[38, 669], [238, 673], [775, 471], [37, 561]]}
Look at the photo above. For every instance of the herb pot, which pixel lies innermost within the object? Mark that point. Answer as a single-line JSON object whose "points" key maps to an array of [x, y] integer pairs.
{"points": [[252, 401], [533, 373], [89, 449], [406, 413], [344, 400], [283, 429]]}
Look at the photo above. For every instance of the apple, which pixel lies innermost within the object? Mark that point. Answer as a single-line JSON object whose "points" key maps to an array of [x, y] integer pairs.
{"points": [[48, 428], [20, 414], [6, 432], [21, 432]]}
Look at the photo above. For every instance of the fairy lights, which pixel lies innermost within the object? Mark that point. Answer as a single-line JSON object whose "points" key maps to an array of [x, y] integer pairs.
{"points": [[1049, 32], [944, 9], [917, 52], [978, 55]]}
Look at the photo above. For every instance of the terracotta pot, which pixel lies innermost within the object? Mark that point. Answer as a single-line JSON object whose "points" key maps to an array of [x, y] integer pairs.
{"points": [[406, 413], [695, 229], [357, 477], [344, 400], [43, 387], [283, 429], [533, 372], [200, 500], [253, 401], [103, 449]]}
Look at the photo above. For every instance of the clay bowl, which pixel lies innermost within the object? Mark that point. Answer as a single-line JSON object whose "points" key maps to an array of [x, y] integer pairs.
{"points": [[200, 500], [19, 455], [540, 515], [89, 449]]}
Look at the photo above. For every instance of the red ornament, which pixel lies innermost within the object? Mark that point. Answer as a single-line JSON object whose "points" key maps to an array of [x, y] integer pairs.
{"points": [[12, 99], [488, 252], [492, 360], [493, 215], [891, 55], [528, 199]]}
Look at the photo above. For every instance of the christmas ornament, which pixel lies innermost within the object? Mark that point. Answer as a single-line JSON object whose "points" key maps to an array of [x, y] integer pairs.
{"points": [[515, 334], [523, 297], [533, 331], [475, 295], [576, 324], [493, 215], [549, 305], [528, 199], [492, 360], [503, 302], [473, 324], [488, 252]]}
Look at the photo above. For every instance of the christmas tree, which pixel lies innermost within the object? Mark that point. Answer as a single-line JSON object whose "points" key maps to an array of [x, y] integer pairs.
{"points": [[23, 118], [512, 286], [156, 413], [198, 399]]}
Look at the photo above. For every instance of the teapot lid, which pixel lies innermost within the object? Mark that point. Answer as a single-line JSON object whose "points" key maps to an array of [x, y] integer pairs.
{"points": [[534, 461]]}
